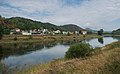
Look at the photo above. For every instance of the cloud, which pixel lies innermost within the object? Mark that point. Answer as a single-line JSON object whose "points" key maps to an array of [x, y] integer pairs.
{"points": [[98, 13]]}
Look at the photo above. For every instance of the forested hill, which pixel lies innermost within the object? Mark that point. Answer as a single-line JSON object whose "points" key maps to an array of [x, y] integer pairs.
{"points": [[27, 24], [6, 24], [71, 27], [116, 31]]}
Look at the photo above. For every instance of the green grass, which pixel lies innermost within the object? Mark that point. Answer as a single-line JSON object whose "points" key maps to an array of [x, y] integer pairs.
{"points": [[24, 39]]}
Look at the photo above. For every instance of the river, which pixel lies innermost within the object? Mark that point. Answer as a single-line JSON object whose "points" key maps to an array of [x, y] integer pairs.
{"points": [[20, 56]]}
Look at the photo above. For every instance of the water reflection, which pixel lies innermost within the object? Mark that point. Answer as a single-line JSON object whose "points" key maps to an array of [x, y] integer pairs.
{"points": [[34, 53], [116, 37], [100, 40]]}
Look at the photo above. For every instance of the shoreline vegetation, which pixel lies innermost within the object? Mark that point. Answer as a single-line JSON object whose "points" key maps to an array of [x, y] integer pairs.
{"points": [[104, 60], [37, 38]]}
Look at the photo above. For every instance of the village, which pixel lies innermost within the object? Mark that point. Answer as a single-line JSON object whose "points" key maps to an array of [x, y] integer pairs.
{"points": [[18, 31]]}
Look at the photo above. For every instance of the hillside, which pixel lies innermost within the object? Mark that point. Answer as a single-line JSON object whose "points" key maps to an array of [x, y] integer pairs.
{"points": [[27, 24], [6, 24], [24, 24], [71, 27], [91, 30], [116, 31]]}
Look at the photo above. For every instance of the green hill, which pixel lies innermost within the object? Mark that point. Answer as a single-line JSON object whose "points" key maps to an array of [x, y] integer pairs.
{"points": [[6, 24], [28, 24], [71, 27], [116, 31]]}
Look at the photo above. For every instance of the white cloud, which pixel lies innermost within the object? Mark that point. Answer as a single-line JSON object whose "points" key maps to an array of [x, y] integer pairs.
{"points": [[98, 13]]}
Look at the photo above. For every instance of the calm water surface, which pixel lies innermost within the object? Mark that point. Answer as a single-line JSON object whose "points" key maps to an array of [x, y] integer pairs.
{"points": [[23, 55]]}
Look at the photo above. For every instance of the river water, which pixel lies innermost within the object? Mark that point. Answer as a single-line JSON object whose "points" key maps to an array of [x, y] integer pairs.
{"points": [[21, 55]]}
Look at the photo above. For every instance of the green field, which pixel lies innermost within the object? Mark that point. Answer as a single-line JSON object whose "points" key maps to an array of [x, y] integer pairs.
{"points": [[38, 38]]}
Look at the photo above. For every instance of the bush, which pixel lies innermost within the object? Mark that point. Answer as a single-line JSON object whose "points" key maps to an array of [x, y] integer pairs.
{"points": [[30, 37], [15, 38], [78, 50]]}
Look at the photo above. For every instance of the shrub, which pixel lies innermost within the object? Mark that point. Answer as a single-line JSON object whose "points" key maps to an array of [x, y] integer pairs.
{"points": [[30, 37], [15, 38], [78, 50]]}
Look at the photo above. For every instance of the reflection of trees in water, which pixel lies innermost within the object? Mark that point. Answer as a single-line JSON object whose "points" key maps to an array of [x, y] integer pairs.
{"points": [[18, 49], [116, 37], [69, 42], [7, 50], [1, 52], [50, 45], [100, 40]]}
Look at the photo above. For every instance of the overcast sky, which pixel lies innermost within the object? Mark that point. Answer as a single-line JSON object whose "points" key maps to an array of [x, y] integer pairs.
{"points": [[95, 14]]}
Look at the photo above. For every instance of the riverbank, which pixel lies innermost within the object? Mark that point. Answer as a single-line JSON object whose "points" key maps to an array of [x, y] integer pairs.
{"points": [[105, 60], [30, 39]]}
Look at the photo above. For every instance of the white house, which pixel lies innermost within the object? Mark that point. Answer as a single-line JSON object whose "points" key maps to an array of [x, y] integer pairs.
{"points": [[45, 31], [26, 33], [65, 33], [57, 32], [17, 29], [76, 32], [83, 32]]}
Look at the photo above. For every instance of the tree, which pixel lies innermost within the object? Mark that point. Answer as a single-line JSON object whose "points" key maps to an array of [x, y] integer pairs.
{"points": [[100, 32]]}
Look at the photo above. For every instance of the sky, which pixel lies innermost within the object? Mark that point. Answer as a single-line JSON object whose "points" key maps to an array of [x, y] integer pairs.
{"points": [[94, 14]]}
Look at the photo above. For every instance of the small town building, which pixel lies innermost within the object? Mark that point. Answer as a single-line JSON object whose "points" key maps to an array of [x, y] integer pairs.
{"points": [[83, 32], [17, 30], [26, 33], [64, 32], [57, 32]]}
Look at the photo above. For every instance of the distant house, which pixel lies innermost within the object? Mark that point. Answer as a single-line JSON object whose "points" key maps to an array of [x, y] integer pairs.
{"points": [[57, 32], [64, 32], [76, 32], [83, 32], [45, 31], [12, 31], [17, 30], [71, 33], [26, 33]]}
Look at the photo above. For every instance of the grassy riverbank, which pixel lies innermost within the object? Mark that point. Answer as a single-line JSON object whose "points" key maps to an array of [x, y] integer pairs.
{"points": [[104, 60], [24, 39]]}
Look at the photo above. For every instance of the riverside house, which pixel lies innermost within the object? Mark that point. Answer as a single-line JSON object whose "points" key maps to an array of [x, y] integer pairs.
{"points": [[83, 32]]}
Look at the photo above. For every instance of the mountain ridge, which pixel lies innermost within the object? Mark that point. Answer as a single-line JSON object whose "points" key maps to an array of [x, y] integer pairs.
{"points": [[26, 24]]}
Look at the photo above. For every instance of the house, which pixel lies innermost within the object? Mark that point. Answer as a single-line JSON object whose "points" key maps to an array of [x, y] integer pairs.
{"points": [[83, 32], [45, 31], [51, 33], [76, 32], [64, 32], [71, 33], [12, 32], [57, 32], [26, 33], [17, 30]]}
